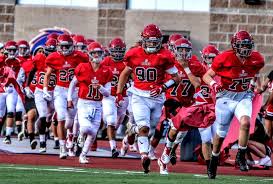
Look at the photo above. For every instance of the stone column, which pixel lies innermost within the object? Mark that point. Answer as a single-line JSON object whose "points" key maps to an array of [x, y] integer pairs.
{"points": [[111, 20], [7, 8]]}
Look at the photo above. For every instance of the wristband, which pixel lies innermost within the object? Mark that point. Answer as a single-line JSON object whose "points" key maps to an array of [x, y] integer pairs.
{"points": [[212, 83], [45, 89], [187, 70], [169, 83]]}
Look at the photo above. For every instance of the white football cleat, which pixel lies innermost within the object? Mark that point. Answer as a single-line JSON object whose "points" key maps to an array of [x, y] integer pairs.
{"points": [[266, 161], [162, 167], [133, 148], [71, 152], [63, 153], [83, 159]]}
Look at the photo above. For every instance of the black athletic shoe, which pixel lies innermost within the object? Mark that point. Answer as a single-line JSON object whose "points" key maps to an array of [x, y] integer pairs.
{"points": [[57, 144], [212, 169], [173, 158], [7, 140], [115, 153], [42, 147], [146, 164], [241, 160], [33, 144]]}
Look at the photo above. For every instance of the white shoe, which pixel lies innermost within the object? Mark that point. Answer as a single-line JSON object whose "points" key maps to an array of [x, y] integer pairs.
{"points": [[250, 162], [162, 167], [133, 148], [83, 159], [42, 150], [123, 150], [165, 158], [71, 152], [151, 155], [63, 153], [69, 144], [266, 161]]}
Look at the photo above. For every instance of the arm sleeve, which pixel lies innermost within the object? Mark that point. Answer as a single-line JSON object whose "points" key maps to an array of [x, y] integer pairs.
{"points": [[31, 76], [21, 77], [106, 89], [72, 88]]}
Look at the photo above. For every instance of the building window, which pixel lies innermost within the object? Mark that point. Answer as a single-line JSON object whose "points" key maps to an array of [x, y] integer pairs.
{"points": [[166, 34], [80, 3], [184, 5]]}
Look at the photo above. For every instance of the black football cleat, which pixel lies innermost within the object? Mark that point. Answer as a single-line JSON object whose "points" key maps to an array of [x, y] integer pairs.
{"points": [[241, 160], [212, 169]]}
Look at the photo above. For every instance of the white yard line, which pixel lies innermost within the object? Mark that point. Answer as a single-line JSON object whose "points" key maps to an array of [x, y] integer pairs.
{"points": [[66, 169]]}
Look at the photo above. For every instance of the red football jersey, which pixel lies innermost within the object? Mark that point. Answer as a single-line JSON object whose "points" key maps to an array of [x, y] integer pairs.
{"points": [[236, 75], [148, 69], [5, 73], [64, 66], [184, 91], [40, 66], [27, 65], [87, 77], [116, 68], [14, 64]]}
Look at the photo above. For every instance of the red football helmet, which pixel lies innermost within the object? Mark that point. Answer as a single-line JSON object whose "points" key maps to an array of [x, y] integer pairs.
{"points": [[11, 49], [173, 37], [95, 52], [23, 48], [117, 48], [151, 38], [242, 43], [65, 44], [79, 42], [89, 40], [183, 49], [209, 53], [50, 46]]}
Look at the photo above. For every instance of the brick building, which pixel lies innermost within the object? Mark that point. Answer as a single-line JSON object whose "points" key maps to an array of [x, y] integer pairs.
{"points": [[113, 18]]}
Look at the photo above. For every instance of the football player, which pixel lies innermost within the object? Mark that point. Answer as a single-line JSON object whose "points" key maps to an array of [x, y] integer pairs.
{"points": [[148, 64], [238, 69], [113, 115], [63, 63], [94, 82]]}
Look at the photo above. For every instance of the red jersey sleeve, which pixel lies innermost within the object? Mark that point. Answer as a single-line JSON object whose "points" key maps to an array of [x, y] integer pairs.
{"points": [[128, 57], [196, 67], [79, 71], [38, 61], [55, 61], [81, 57], [169, 59]]}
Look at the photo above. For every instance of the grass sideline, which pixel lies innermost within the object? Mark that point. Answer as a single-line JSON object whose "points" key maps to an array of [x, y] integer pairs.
{"points": [[25, 174]]}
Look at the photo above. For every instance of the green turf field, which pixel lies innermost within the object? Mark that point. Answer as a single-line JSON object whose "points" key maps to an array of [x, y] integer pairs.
{"points": [[22, 174]]}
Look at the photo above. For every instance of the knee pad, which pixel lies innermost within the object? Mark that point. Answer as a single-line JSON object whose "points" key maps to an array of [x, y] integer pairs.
{"points": [[18, 116], [10, 115], [222, 131]]}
